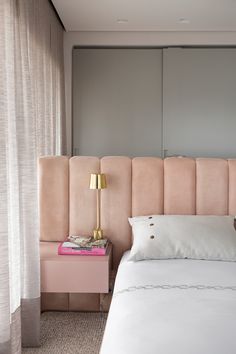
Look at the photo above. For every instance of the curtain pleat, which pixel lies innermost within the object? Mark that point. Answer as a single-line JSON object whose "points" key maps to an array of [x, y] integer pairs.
{"points": [[31, 125]]}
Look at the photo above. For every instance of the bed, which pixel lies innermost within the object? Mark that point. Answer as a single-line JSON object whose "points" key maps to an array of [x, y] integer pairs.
{"points": [[172, 306], [177, 306]]}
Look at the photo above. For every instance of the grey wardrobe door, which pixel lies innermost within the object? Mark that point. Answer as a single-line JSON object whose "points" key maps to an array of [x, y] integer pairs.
{"points": [[117, 102], [199, 101]]}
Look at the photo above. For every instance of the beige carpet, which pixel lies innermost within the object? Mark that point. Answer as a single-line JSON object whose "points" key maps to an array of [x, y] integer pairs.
{"points": [[70, 333]]}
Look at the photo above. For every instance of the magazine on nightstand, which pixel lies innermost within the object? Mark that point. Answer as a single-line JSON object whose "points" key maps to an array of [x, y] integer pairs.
{"points": [[82, 245]]}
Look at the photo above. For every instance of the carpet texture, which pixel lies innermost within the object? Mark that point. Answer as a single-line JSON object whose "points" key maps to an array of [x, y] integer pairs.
{"points": [[70, 333]]}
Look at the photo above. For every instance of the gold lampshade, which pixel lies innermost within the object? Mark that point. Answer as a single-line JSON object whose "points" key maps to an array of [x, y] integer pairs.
{"points": [[97, 181]]}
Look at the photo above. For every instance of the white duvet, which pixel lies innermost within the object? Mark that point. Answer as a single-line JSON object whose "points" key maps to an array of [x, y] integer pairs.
{"points": [[172, 307]]}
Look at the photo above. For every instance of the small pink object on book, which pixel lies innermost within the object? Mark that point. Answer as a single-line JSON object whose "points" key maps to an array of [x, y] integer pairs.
{"points": [[73, 251]]}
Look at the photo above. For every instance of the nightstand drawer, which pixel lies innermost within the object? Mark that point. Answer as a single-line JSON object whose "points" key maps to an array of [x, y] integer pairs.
{"points": [[73, 274]]}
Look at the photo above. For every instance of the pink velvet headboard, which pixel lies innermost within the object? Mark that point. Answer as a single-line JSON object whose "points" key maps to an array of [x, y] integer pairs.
{"points": [[138, 186]]}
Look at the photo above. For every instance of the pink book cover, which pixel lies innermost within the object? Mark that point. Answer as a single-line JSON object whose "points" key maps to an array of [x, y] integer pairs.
{"points": [[73, 251]]}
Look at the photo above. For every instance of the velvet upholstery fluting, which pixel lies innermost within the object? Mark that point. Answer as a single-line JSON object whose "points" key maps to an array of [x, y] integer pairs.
{"points": [[141, 186]]}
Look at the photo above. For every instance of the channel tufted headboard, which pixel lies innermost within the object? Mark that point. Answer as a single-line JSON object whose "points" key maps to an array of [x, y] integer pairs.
{"points": [[138, 186]]}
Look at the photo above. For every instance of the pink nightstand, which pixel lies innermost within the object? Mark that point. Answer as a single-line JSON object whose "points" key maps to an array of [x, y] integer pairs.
{"points": [[73, 274]]}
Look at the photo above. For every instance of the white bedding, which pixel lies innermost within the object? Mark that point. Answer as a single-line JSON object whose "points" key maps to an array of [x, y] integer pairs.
{"points": [[172, 307]]}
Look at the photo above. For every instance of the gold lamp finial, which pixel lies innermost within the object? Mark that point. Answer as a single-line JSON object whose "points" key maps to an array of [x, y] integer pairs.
{"points": [[98, 182]]}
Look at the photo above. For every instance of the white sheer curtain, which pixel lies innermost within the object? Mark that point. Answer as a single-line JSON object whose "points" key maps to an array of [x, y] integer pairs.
{"points": [[31, 111]]}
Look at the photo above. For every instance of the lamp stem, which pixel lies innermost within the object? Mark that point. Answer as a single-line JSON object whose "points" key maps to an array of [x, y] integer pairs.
{"points": [[98, 209]]}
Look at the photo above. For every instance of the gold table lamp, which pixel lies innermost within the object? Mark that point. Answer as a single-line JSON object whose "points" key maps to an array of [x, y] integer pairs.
{"points": [[98, 182]]}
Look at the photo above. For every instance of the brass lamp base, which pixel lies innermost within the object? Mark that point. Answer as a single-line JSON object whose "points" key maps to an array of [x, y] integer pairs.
{"points": [[97, 234]]}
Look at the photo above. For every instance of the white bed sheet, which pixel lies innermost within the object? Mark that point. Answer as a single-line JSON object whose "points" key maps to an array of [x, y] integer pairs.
{"points": [[172, 307]]}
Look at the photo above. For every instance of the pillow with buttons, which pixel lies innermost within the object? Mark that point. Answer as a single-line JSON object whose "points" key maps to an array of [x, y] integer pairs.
{"points": [[183, 236]]}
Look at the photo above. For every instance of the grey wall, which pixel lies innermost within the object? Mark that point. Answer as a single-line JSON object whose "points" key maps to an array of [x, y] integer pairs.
{"points": [[117, 102], [118, 93], [199, 102]]}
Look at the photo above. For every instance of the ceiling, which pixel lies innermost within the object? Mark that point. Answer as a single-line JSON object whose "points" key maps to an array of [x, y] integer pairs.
{"points": [[147, 15]]}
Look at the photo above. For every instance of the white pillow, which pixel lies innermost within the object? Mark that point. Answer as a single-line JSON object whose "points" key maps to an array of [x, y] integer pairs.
{"points": [[183, 236]]}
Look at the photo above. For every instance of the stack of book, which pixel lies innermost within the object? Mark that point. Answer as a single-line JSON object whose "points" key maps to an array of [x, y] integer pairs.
{"points": [[81, 245]]}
